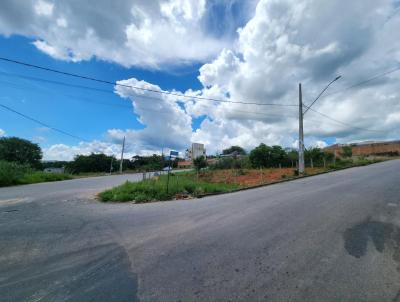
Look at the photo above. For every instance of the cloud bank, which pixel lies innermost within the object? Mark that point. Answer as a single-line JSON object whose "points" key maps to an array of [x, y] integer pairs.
{"points": [[285, 42]]}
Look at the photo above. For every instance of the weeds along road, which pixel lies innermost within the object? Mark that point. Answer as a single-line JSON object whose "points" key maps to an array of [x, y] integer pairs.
{"points": [[332, 237]]}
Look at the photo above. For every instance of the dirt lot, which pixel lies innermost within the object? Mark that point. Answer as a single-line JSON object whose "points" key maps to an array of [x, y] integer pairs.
{"points": [[252, 177]]}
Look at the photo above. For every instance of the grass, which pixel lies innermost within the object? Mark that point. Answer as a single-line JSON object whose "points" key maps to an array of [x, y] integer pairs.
{"points": [[188, 184], [39, 176], [17, 174], [155, 189]]}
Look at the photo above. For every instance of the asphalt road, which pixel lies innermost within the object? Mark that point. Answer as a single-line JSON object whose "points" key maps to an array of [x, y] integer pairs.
{"points": [[332, 237]]}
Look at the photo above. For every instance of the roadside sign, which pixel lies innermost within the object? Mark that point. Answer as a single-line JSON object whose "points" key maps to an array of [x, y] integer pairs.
{"points": [[173, 153]]}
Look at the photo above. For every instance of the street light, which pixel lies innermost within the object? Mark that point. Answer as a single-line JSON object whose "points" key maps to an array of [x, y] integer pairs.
{"points": [[301, 114]]}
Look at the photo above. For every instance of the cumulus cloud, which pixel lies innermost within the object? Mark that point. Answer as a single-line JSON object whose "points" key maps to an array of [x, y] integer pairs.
{"points": [[287, 42], [2, 132], [284, 43], [66, 152], [141, 33]]}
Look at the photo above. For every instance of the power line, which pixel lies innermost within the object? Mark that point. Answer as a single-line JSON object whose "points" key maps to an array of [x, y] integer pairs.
{"points": [[29, 78], [42, 124], [198, 97], [343, 123], [364, 81], [139, 88]]}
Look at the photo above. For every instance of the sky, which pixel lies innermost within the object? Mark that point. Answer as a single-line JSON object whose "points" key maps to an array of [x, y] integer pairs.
{"points": [[236, 51]]}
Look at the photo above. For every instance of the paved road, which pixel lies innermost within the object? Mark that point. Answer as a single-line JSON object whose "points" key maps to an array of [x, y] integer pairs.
{"points": [[333, 237]]}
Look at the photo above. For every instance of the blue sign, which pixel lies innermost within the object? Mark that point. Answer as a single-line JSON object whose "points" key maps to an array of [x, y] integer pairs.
{"points": [[173, 153]]}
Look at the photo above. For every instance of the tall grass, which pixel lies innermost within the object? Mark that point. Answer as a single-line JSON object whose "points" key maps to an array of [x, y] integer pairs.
{"points": [[156, 189], [17, 174]]}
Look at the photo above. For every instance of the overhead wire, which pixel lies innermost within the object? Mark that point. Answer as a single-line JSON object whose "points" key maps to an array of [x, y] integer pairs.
{"points": [[140, 88], [42, 123], [191, 97]]}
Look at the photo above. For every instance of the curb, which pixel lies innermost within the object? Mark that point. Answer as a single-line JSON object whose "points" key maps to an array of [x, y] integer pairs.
{"points": [[284, 180]]}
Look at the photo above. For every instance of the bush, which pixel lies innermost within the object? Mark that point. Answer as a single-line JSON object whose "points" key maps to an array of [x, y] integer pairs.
{"points": [[11, 172], [149, 190], [21, 151], [39, 176]]}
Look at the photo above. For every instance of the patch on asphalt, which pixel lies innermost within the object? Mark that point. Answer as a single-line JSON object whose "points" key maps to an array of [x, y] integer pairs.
{"points": [[382, 235], [96, 273], [7, 202]]}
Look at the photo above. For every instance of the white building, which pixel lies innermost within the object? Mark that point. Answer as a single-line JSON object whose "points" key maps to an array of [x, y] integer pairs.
{"points": [[195, 151]]}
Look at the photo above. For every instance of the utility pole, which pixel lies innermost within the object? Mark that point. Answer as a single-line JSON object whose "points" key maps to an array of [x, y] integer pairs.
{"points": [[122, 156], [301, 114], [111, 166], [301, 134]]}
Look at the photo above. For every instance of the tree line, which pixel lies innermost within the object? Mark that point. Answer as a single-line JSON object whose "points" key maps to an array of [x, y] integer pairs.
{"points": [[264, 156]]}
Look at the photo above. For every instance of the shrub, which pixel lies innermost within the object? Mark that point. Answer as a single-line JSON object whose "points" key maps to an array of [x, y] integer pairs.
{"points": [[11, 172], [39, 176], [149, 190]]}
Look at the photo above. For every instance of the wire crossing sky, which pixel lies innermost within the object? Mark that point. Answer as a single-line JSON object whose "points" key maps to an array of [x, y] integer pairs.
{"points": [[133, 78]]}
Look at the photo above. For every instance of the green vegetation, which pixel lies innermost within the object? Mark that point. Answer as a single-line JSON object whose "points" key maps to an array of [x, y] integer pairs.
{"points": [[12, 173], [21, 151], [101, 163], [92, 163], [39, 176], [234, 149], [265, 156], [216, 179], [347, 151], [155, 189], [231, 163], [199, 163]]}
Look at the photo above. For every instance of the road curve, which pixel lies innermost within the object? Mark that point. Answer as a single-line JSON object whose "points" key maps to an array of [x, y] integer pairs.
{"points": [[332, 237]]}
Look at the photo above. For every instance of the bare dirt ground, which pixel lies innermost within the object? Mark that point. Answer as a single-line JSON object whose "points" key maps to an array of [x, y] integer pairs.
{"points": [[253, 177]]}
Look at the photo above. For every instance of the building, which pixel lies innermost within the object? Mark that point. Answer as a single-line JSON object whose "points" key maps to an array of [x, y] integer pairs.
{"points": [[367, 148], [55, 170], [185, 164], [195, 151]]}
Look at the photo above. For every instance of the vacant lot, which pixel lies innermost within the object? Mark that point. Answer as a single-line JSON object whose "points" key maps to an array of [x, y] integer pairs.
{"points": [[252, 177], [192, 184]]}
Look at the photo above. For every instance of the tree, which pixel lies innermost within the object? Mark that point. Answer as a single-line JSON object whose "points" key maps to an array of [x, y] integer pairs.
{"points": [[293, 157], [92, 163], [327, 156], [14, 149], [199, 163], [347, 151], [259, 156], [314, 155], [239, 150]]}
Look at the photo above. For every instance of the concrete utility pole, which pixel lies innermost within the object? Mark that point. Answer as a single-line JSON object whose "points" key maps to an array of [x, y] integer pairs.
{"points": [[301, 134], [301, 115], [111, 166], [122, 156]]}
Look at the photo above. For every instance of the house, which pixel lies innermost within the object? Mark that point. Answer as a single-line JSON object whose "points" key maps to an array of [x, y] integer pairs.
{"points": [[54, 170], [185, 164]]}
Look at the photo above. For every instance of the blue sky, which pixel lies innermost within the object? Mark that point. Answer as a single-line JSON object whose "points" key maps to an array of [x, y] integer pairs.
{"points": [[70, 108], [233, 50]]}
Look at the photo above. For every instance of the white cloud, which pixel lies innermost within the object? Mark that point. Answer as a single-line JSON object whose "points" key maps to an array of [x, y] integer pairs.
{"points": [[65, 152], [140, 33], [43, 8], [167, 124], [284, 43], [287, 42], [2, 132]]}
